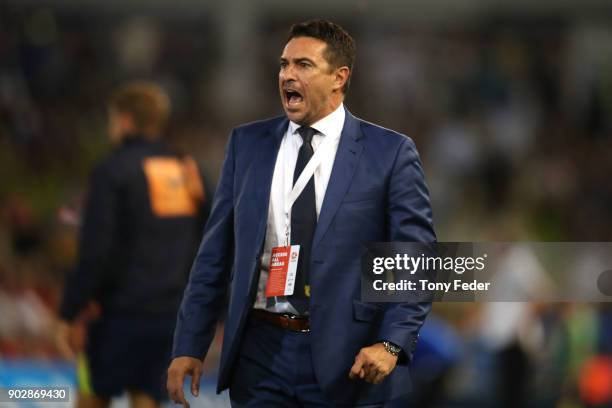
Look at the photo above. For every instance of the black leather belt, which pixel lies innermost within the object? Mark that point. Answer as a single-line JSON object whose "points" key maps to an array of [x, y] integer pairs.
{"points": [[284, 320]]}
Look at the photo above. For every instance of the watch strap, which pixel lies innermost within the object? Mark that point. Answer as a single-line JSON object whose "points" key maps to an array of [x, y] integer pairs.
{"points": [[392, 348]]}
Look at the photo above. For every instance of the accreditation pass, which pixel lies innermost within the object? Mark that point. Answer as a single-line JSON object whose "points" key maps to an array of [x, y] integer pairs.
{"points": [[282, 271]]}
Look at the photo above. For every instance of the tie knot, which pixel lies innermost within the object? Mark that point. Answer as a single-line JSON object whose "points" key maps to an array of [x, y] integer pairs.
{"points": [[307, 133]]}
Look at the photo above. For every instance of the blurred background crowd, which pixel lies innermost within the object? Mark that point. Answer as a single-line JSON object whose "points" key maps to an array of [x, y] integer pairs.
{"points": [[509, 106]]}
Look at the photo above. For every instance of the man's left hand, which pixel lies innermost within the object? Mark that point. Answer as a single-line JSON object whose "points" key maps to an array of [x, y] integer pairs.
{"points": [[373, 364]]}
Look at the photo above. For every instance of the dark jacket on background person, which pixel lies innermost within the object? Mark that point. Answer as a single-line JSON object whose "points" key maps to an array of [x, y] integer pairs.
{"points": [[144, 215]]}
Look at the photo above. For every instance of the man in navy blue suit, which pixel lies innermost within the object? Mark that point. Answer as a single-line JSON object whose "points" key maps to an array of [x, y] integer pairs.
{"points": [[298, 197]]}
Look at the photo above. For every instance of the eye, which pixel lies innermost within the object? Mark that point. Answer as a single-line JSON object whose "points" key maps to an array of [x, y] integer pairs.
{"points": [[304, 64], [283, 64]]}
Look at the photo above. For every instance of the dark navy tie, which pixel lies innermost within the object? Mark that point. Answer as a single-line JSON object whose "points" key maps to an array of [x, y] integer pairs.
{"points": [[303, 223]]}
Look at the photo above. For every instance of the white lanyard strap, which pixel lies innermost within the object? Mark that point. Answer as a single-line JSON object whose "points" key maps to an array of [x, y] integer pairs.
{"points": [[303, 180]]}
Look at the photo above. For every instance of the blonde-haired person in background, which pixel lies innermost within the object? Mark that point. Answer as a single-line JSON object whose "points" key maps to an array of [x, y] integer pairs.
{"points": [[144, 213]]}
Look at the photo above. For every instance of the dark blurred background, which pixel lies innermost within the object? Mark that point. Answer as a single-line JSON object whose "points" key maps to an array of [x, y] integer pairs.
{"points": [[509, 103]]}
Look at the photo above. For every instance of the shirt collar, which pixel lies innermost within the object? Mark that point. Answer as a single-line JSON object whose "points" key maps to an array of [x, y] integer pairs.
{"points": [[330, 125]]}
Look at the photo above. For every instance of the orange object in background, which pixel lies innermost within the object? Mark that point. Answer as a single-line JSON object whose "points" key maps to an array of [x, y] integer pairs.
{"points": [[174, 188], [595, 383]]}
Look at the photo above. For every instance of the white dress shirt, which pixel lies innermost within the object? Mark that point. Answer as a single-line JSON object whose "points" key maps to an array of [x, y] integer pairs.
{"points": [[282, 183]]}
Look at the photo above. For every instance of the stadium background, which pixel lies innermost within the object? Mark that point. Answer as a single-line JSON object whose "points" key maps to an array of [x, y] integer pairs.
{"points": [[509, 103]]}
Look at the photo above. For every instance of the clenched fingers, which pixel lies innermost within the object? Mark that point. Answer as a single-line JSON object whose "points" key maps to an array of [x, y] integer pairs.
{"points": [[357, 370], [373, 364]]}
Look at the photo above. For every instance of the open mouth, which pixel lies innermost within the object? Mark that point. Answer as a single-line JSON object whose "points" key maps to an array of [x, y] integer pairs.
{"points": [[293, 97]]}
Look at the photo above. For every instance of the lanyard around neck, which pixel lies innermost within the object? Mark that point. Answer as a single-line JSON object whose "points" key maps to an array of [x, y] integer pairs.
{"points": [[302, 181]]}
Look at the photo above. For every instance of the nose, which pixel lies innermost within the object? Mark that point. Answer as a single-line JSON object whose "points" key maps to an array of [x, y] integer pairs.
{"points": [[287, 74]]}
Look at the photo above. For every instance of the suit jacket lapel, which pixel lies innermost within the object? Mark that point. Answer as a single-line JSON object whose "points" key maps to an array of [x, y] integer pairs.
{"points": [[347, 157], [267, 151]]}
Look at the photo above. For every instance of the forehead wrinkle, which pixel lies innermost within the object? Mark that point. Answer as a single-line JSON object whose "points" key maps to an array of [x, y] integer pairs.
{"points": [[312, 44]]}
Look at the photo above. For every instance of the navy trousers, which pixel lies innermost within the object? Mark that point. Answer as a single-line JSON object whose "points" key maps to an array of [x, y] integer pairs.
{"points": [[275, 370], [127, 353]]}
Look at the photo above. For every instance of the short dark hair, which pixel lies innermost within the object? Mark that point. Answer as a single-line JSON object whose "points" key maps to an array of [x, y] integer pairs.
{"points": [[146, 102], [340, 49]]}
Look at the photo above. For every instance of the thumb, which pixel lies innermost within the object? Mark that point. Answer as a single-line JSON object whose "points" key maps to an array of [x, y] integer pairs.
{"points": [[195, 381], [66, 349], [62, 341], [357, 368]]}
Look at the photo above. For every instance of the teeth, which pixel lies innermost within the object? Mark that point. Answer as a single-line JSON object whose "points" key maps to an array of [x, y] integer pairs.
{"points": [[295, 99]]}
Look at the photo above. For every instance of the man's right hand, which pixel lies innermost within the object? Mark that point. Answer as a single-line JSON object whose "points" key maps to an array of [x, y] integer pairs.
{"points": [[179, 368]]}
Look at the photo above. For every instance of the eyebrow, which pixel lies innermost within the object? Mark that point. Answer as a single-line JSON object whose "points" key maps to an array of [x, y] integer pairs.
{"points": [[297, 60]]}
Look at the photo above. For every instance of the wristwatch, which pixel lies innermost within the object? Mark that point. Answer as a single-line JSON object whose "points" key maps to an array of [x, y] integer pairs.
{"points": [[392, 348]]}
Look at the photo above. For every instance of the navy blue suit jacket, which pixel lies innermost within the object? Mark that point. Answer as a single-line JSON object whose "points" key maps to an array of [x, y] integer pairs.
{"points": [[376, 192]]}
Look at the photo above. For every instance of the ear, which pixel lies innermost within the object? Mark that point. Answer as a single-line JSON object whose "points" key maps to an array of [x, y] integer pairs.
{"points": [[341, 76]]}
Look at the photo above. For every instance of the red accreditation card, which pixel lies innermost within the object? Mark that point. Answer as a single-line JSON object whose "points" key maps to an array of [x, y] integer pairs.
{"points": [[283, 267]]}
